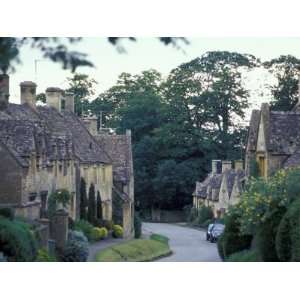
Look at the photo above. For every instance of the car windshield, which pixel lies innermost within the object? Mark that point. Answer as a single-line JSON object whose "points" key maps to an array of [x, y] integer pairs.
{"points": [[219, 227]]}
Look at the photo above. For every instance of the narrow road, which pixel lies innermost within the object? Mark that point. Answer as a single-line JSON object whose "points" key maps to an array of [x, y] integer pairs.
{"points": [[187, 244]]}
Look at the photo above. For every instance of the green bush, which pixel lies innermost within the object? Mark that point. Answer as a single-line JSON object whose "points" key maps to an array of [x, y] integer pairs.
{"points": [[220, 245], [43, 256], [61, 196], [17, 241], [244, 256], [117, 231], [205, 216], [233, 239], [137, 226], [288, 237], [193, 213], [104, 233], [7, 212], [85, 227], [108, 224], [266, 235], [76, 249], [96, 234]]}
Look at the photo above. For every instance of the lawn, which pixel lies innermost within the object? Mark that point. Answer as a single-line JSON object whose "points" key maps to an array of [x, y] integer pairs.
{"points": [[136, 250]]}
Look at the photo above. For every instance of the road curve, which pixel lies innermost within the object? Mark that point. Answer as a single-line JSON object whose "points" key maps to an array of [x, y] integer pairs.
{"points": [[187, 244]]}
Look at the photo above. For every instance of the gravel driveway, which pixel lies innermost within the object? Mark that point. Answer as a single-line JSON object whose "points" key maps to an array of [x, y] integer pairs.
{"points": [[187, 244]]}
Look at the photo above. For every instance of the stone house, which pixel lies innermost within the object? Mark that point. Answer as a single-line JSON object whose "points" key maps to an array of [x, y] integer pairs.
{"points": [[221, 188], [273, 140], [45, 148], [119, 148]]}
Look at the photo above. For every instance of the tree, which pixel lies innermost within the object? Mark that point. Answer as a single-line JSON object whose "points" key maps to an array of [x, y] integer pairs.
{"points": [[99, 206], [41, 97], [56, 49], [83, 88], [286, 70], [83, 200], [91, 204]]}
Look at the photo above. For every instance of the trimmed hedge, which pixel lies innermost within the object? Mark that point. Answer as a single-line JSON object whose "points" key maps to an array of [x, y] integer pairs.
{"points": [[17, 241], [85, 227], [137, 226], [220, 245], [117, 231], [233, 240], [288, 237], [244, 256], [266, 236]]}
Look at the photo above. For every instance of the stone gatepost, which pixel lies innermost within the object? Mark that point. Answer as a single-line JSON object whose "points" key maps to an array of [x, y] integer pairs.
{"points": [[59, 228], [44, 232]]}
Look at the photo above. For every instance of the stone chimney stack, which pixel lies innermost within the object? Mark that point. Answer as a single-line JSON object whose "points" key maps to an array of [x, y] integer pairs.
{"points": [[69, 102], [215, 166], [28, 93], [90, 123], [238, 165], [226, 165], [4, 91], [54, 97]]}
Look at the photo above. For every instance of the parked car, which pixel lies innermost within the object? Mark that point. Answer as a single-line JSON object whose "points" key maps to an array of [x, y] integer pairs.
{"points": [[216, 231], [209, 229]]}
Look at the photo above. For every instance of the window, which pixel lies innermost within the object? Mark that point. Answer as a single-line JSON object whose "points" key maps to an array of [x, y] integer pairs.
{"points": [[32, 197], [63, 104]]}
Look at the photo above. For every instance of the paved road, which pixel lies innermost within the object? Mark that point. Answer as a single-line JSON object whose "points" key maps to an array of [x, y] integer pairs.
{"points": [[186, 243]]}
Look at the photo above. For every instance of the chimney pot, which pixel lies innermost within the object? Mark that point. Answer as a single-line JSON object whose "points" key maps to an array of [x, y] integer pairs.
{"points": [[69, 102], [54, 97], [238, 165], [28, 93], [226, 165]]}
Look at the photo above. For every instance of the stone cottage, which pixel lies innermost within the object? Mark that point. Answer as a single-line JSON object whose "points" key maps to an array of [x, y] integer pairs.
{"points": [[119, 148], [45, 148], [273, 140], [221, 188]]}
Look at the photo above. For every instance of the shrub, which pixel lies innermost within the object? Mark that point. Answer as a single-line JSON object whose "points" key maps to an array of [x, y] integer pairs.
{"points": [[83, 200], [7, 212], [266, 236], [76, 249], [117, 231], [96, 234], [17, 241], [233, 239], [205, 217], [287, 238], [85, 227], [137, 226], [192, 215], [104, 233], [43, 256], [99, 206], [71, 223], [108, 224], [244, 256], [91, 215], [220, 245], [62, 197]]}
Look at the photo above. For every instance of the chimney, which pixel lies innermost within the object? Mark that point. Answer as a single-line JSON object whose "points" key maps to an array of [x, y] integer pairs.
{"points": [[90, 123], [4, 91], [226, 165], [54, 97], [69, 102], [215, 166], [28, 93], [238, 165]]}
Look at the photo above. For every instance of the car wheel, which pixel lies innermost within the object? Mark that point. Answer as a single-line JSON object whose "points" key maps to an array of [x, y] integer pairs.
{"points": [[211, 239]]}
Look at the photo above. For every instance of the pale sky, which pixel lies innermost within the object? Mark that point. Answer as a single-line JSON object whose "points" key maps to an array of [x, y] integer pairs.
{"points": [[145, 54]]}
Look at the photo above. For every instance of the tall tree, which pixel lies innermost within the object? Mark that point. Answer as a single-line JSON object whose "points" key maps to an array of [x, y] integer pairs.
{"points": [[286, 70], [91, 204], [99, 206], [83, 89], [83, 200]]}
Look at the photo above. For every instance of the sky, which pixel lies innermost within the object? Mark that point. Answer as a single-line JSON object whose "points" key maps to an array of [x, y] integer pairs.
{"points": [[148, 53]]}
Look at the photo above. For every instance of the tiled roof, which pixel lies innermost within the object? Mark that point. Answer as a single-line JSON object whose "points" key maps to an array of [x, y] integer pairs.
{"points": [[119, 149]]}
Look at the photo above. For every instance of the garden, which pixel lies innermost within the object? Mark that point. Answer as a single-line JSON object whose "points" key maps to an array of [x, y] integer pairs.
{"points": [[20, 239], [265, 224]]}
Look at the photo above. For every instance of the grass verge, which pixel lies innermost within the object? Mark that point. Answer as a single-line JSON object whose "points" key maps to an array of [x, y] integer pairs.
{"points": [[136, 250]]}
